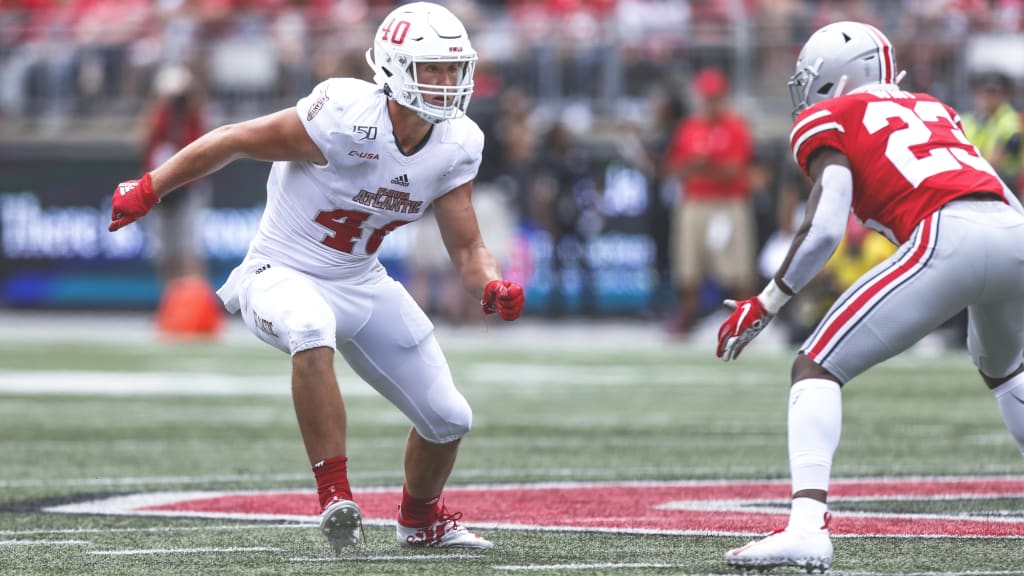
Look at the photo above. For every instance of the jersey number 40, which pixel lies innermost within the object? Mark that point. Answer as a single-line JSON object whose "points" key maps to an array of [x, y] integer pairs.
{"points": [[347, 226]]}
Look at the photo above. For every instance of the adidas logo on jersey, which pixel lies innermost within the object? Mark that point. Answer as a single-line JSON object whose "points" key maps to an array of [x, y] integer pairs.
{"points": [[402, 180]]}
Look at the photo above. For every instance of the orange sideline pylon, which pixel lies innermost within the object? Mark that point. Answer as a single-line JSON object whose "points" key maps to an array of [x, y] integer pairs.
{"points": [[189, 308]]}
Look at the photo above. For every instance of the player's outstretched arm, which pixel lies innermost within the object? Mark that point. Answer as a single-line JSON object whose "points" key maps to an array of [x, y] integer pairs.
{"points": [[824, 224], [274, 137], [474, 263]]}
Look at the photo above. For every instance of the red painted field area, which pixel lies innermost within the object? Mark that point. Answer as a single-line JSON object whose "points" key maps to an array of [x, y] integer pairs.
{"points": [[685, 507]]}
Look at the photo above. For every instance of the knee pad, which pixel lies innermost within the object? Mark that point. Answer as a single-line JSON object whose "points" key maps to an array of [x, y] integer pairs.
{"points": [[310, 325], [449, 417]]}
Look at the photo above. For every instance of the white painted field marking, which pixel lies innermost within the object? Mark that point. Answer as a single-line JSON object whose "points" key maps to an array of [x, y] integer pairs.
{"points": [[153, 529], [967, 573], [144, 480], [43, 542], [525, 373], [467, 473], [594, 566], [95, 383], [390, 558], [181, 551], [543, 568]]}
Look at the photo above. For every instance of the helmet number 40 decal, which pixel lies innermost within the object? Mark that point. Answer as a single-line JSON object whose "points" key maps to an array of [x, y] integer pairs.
{"points": [[396, 30]]}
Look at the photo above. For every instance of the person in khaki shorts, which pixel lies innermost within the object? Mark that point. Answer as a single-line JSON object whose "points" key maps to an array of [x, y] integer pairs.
{"points": [[713, 227]]}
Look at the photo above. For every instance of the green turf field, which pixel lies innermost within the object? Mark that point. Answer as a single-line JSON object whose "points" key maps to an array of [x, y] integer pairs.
{"points": [[90, 414]]}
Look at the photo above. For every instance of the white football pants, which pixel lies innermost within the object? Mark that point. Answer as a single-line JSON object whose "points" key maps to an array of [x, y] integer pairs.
{"points": [[378, 328]]}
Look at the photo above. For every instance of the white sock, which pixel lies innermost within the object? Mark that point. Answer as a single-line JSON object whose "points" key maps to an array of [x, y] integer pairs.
{"points": [[815, 424], [1010, 398], [807, 515]]}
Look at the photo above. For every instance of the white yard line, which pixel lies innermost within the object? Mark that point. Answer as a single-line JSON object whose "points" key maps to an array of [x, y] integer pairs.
{"points": [[43, 542], [182, 551], [389, 558], [581, 566], [147, 480], [97, 383], [967, 573], [153, 529], [613, 566]]}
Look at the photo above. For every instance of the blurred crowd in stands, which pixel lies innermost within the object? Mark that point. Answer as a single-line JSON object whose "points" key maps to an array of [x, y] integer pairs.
{"points": [[560, 83], [65, 58]]}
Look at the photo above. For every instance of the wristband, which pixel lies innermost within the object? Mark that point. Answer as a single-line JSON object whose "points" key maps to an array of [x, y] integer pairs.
{"points": [[773, 298]]}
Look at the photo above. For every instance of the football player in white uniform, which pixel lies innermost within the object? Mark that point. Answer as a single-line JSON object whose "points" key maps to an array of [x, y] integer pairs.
{"points": [[352, 162]]}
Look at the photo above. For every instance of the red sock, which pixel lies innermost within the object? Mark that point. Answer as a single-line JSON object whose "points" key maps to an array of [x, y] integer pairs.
{"points": [[417, 512], [332, 480]]}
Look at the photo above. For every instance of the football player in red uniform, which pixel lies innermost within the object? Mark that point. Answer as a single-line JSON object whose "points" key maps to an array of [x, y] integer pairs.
{"points": [[901, 162]]}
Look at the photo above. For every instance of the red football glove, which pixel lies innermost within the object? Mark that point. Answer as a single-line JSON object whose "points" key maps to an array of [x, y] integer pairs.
{"points": [[132, 200], [747, 320], [504, 297]]}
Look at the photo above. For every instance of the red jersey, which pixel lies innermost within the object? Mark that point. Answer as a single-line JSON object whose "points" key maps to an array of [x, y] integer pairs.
{"points": [[725, 140], [907, 152]]}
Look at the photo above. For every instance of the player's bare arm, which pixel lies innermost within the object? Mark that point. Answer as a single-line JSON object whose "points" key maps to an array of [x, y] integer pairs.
{"points": [[461, 233], [474, 262], [279, 136]]}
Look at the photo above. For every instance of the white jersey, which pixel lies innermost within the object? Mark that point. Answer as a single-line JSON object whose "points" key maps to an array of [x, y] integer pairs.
{"points": [[328, 221]]}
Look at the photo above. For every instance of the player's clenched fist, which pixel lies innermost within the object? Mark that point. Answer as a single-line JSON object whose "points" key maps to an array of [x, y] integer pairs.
{"points": [[132, 200], [504, 297], [747, 320]]}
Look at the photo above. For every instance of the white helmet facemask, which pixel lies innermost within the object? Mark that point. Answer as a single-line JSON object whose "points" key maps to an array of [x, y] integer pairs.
{"points": [[840, 58], [418, 33]]}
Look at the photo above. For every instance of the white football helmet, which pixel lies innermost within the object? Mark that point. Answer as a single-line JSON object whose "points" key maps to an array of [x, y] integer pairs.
{"points": [[423, 32], [838, 58]]}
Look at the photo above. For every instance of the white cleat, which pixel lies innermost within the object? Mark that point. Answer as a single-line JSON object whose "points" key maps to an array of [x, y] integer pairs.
{"points": [[445, 532], [811, 551], [342, 524]]}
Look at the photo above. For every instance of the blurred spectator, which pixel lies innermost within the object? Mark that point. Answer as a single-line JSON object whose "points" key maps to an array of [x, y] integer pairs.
{"points": [[513, 148], [713, 230], [780, 28], [176, 119], [37, 78], [104, 31], [567, 200], [644, 147], [933, 32], [994, 126]]}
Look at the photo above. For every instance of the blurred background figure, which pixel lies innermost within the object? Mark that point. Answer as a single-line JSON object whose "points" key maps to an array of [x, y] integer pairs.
{"points": [[432, 280], [713, 229], [994, 125], [567, 199], [188, 306], [643, 145]]}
